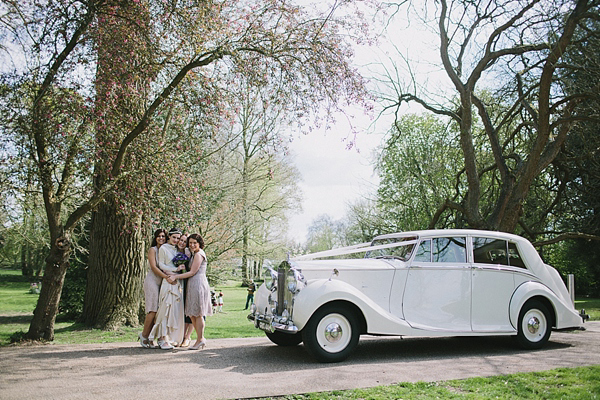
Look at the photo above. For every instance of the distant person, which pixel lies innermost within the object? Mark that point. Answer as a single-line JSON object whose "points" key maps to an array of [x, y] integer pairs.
{"points": [[220, 301], [251, 290], [197, 298], [213, 300], [169, 324], [152, 285]]}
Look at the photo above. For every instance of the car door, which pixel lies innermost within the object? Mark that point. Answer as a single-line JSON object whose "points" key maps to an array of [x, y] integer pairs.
{"points": [[492, 285], [438, 287]]}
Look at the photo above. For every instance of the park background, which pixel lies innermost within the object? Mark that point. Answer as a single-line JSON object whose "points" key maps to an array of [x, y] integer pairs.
{"points": [[119, 118]]}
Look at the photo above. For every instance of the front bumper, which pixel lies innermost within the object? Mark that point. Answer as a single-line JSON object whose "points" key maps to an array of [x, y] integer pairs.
{"points": [[272, 323]]}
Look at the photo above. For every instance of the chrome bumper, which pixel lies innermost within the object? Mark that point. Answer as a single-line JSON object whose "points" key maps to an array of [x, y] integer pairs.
{"points": [[272, 323]]}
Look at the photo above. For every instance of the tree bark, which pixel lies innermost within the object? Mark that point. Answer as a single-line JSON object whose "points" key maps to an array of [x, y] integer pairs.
{"points": [[44, 315], [116, 271], [116, 262]]}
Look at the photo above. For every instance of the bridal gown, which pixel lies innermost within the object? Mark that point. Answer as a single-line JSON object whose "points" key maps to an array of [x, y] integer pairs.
{"points": [[169, 318]]}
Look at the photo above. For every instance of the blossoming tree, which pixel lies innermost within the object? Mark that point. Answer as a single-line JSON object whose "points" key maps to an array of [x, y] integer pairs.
{"points": [[194, 45]]}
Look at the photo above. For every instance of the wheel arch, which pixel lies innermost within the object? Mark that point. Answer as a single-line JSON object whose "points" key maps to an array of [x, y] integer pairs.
{"points": [[362, 322], [319, 294], [531, 291], [549, 306]]}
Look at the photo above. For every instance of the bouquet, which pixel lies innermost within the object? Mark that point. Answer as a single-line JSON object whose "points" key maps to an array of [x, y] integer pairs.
{"points": [[181, 259]]}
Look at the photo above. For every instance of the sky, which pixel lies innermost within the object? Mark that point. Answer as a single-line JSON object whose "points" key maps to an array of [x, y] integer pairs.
{"points": [[332, 175]]}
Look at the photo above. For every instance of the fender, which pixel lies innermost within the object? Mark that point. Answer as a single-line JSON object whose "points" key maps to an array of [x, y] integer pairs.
{"points": [[565, 314], [322, 291]]}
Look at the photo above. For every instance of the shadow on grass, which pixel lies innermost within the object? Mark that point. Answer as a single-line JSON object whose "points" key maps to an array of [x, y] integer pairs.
{"points": [[10, 278], [15, 319]]}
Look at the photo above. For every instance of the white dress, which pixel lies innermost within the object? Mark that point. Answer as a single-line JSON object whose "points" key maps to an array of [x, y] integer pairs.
{"points": [[169, 318]]}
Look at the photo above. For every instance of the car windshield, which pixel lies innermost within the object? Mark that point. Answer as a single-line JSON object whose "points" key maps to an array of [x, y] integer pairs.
{"points": [[400, 248]]}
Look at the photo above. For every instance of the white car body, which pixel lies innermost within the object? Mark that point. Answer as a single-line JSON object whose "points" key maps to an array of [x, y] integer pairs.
{"points": [[445, 283]]}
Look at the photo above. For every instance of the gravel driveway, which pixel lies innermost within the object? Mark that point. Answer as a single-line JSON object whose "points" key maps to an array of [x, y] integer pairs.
{"points": [[254, 367]]}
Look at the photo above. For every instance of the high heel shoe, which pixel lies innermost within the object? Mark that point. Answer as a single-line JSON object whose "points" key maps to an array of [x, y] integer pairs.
{"points": [[144, 341], [164, 345], [199, 345]]}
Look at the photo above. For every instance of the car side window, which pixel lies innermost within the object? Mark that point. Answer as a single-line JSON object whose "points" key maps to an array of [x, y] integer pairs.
{"points": [[490, 251], [449, 249], [496, 251], [514, 257], [424, 251]]}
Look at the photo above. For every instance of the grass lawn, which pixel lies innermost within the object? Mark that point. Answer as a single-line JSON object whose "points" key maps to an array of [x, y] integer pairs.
{"points": [[17, 305], [562, 383], [591, 307]]}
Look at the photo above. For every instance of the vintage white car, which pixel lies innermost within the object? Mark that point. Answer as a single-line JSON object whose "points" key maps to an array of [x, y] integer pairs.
{"points": [[422, 283]]}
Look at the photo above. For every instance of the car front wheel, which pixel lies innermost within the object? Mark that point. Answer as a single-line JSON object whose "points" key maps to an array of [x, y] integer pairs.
{"points": [[331, 334], [284, 339], [534, 325]]}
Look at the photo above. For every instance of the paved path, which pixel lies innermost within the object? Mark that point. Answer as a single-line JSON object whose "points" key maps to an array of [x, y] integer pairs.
{"points": [[236, 368]]}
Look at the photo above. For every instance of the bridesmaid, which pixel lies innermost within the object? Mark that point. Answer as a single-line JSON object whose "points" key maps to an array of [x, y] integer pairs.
{"points": [[197, 301], [182, 248], [152, 285]]}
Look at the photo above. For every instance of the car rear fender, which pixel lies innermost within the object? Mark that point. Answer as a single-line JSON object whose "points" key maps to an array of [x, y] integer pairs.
{"points": [[564, 315], [320, 292]]}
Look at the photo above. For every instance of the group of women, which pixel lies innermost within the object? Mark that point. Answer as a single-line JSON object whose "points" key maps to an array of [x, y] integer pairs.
{"points": [[177, 296]]}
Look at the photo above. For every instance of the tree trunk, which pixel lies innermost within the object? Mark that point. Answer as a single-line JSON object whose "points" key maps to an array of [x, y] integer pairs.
{"points": [[116, 262], [116, 270], [26, 268], [245, 222], [44, 315]]}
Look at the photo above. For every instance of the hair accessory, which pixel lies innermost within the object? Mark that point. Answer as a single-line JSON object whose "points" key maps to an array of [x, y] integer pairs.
{"points": [[174, 231]]}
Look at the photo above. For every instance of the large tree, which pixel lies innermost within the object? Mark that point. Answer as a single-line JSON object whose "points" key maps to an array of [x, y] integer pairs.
{"points": [[200, 44], [264, 184], [515, 50], [416, 166], [124, 43]]}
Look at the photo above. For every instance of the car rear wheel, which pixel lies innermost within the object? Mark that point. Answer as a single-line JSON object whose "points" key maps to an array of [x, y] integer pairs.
{"points": [[284, 339], [535, 325], [331, 334]]}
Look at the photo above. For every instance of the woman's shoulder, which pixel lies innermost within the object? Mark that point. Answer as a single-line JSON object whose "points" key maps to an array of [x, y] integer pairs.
{"points": [[202, 253], [166, 248]]}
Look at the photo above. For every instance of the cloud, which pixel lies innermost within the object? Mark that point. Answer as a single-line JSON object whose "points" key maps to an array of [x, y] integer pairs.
{"points": [[332, 176]]}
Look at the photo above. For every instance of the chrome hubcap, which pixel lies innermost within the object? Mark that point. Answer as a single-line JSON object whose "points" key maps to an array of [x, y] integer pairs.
{"points": [[333, 332], [533, 325]]}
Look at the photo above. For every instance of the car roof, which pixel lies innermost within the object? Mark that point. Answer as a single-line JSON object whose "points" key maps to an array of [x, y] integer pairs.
{"points": [[450, 232]]}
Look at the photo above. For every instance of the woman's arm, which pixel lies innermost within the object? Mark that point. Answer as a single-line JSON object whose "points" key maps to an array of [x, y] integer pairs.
{"points": [[196, 262], [164, 260], [152, 261]]}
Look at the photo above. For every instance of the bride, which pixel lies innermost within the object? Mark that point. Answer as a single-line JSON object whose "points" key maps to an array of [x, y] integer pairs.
{"points": [[169, 326]]}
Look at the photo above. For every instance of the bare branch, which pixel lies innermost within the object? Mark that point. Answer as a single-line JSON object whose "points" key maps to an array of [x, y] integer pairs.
{"points": [[566, 236]]}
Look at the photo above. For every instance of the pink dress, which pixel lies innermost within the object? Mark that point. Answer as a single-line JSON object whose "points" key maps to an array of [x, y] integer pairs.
{"points": [[152, 287], [197, 296]]}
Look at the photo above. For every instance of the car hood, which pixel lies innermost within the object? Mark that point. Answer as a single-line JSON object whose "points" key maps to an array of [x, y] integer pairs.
{"points": [[321, 269]]}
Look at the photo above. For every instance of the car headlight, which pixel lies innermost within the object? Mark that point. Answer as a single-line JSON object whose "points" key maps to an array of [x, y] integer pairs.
{"points": [[295, 280], [270, 277]]}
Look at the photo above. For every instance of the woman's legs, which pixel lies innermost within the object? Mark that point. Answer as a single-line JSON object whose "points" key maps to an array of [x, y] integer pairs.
{"points": [[199, 326], [189, 328], [148, 322]]}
